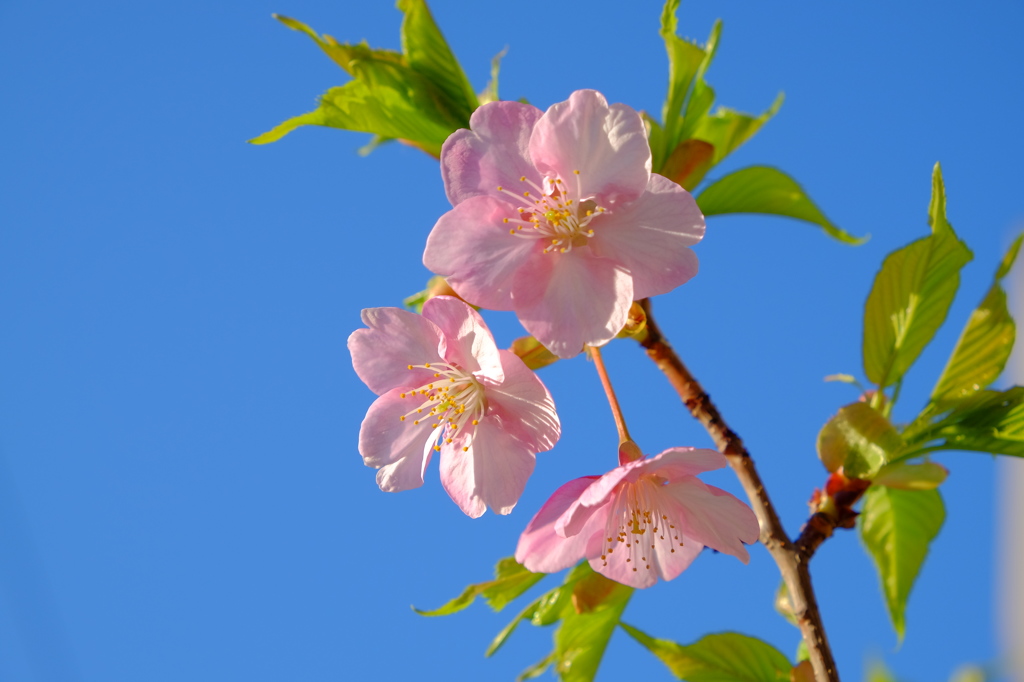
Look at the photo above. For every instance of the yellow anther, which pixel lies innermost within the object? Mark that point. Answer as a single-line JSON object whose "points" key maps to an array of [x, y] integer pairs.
{"points": [[402, 418], [475, 422], [410, 366], [511, 231], [504, 220], [576, 172], [466, 449], [500, 188], [526, 194], [522, 178], [416, 422]]}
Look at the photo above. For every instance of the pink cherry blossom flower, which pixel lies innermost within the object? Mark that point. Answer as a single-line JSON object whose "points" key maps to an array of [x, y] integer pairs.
{"points": [[644, 520], [558, 217], [445, 387]]}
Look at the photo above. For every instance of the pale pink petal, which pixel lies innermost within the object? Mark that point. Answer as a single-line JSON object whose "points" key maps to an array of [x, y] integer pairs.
{"points": [[396, 338], [468, 341], [598, 494], [492, 473], [607, 145], [644, 570], [669, 564], [472, 247], [388, 443], [495, 152], [540, 548], [523, 406], [714, 517], [570, 300], [676, 463], [651, 237]]}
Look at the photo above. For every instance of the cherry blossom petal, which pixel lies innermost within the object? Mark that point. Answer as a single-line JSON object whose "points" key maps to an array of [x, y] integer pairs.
{"points": [[675, 463], [714, 517], [662, 561], [607, 145], [523, 406], [492, 473], [651, 237], [578, 514], [570, 300], [472, 247], [494, 152], [468, 341], [540, 548], [396, 338], [387, 442]]}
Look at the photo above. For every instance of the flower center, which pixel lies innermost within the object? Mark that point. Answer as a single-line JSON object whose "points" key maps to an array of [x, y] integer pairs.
{"points": [[637, 524], [550, 213], [453, 401]]}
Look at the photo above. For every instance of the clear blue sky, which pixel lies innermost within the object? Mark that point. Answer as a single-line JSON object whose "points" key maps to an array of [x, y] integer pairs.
{"points": [[180, 493]]}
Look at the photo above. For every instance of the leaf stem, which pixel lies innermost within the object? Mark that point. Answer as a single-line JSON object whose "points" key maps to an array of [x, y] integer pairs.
{"points": [[792, 564]]}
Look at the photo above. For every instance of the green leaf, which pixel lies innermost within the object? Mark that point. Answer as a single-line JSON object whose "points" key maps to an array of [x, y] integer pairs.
{"points": [[988, 421], [582, 638], [420, 96], [722, 657], [727, 129], [859, 439], [507, 631], [537, 669], [490, 93], [896, 527], [761, 189], [684, 61], [923, 476], [878, 672], [428, 53], [381, 108], [911, 295], [511, 579], [984, 345]]}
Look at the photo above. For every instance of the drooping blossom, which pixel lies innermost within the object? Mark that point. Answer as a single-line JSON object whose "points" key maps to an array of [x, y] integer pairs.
{"points": [[558, 217], [644, 520], [445, 387]]}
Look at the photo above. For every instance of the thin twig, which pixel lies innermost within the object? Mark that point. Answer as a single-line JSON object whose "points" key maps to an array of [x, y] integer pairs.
{"points": [[791, 562]]}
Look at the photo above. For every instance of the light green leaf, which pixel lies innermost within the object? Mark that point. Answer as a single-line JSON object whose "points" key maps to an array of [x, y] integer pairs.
{"points": [[537, 669], [722, 657], [984, 345], [586, 627], [859, 439], [684, 61], [911, 295], [342, 53], [878, 672], [490, 93], [507, 631], [511, 579], [428, 53], [727, 129], [923, 476], [896, 527], [761, 189], [988, 421], [532, 352]]}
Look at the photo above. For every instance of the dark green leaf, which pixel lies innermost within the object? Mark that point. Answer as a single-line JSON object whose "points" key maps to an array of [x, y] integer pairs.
{"points": [[510, 581], [722, 657], [984, 345], [911, 295], [859, 439], [761, 189], [897, 526], [428, 53]]}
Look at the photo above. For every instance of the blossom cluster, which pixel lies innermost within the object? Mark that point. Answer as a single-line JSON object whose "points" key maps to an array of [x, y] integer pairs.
{"points": [[557, 217]]}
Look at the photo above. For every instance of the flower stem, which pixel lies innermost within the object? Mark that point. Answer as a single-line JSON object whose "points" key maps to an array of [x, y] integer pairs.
{"points": [[628, 450], [788, 557]]}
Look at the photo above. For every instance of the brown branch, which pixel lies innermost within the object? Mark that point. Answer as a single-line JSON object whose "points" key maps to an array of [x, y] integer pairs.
{"points": [[834, 510], [791, 562]]}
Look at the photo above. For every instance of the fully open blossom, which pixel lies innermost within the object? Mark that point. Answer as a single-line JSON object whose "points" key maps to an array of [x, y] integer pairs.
{"points": [[644, 520], [558, 217], [445, 387]]}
